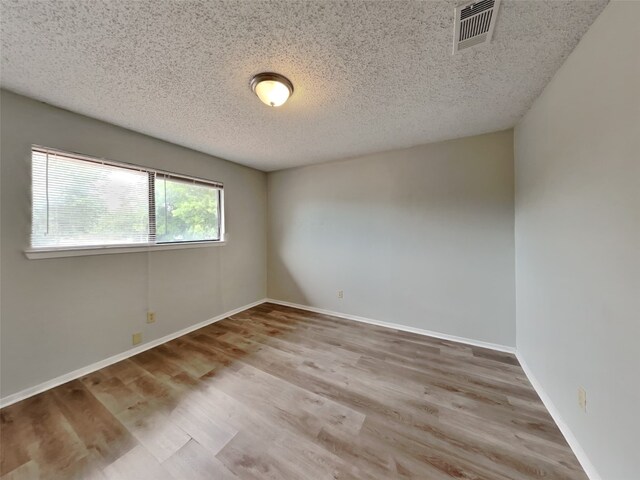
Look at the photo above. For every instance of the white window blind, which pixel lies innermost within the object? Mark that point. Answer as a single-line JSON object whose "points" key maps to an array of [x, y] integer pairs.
{"points": [[79, 201]]}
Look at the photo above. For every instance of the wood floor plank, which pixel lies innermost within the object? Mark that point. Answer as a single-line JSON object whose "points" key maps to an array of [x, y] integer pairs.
{"points": [[137, 464], [203, 426], [126, 371], [280, 393], [16, 434], [155, 430], [54, 446], [251, 460], [194, 462], [98, 429], [111, 392]]}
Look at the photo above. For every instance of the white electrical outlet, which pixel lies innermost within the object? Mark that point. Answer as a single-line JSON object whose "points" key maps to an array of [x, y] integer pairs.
{"points": [[582, 398], [151, 317], [340, 294]]}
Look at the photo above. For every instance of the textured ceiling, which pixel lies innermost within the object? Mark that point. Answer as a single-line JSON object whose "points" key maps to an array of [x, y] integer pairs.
{"points": [[368, 76]]}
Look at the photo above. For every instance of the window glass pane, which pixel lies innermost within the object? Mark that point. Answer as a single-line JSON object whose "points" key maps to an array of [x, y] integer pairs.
{"points": [[81, 203], [186, 211]]}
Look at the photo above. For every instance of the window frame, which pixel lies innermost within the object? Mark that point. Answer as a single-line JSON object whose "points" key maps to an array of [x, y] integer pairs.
{"points": [[153, 173]]}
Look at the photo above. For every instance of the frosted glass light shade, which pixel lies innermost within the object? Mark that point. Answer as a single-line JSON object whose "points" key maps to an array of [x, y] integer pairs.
{"points": [[272, 89]]}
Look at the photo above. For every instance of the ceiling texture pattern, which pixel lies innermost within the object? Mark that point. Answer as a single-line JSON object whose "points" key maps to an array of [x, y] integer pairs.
{"points": [[368, 75]]}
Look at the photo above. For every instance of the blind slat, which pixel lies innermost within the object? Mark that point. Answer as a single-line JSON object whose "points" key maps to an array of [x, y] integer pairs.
{"points": [[101, 161]]}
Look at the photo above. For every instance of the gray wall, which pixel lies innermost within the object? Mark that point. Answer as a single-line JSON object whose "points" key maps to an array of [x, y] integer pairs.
{"points": [[61, 314], [422, 237], [578, 240]]}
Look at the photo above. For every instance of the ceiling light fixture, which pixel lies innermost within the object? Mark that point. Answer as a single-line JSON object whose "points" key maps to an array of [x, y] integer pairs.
{"points": [[272, 88]]}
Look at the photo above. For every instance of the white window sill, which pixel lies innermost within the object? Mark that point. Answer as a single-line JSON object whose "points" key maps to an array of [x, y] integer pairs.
{"points": [[37, 253]]}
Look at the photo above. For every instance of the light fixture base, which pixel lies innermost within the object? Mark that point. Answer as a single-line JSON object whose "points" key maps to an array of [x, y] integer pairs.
{"points": [[266, 97]]}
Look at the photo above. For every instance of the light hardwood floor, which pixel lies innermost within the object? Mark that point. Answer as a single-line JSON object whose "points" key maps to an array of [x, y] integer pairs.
{"points": [[279, 393]]}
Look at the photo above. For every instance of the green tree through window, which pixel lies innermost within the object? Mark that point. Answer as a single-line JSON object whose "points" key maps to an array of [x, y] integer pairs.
{"points": [[186, 211]]}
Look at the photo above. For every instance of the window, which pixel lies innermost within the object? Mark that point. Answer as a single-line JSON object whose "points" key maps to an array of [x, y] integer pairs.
{"points": [[85, 202], [186, 211]]}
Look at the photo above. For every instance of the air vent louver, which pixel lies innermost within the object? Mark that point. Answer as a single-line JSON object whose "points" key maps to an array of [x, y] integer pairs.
{"points": [[474, 23]]}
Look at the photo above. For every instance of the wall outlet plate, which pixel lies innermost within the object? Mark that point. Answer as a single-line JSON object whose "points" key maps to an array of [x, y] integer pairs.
{"points": [[340, 294], [136, 338], [151, 317], [582, 398]]}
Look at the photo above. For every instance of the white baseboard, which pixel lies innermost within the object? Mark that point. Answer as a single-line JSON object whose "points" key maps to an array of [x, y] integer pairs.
{"points": [[579, 452], [31, 391], [419, 331]]}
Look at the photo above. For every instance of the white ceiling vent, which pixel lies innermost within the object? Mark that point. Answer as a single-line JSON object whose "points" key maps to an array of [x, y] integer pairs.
{"points": [[474, 23]]}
